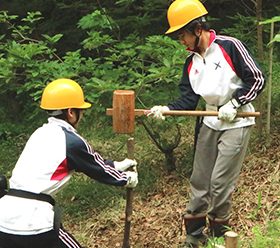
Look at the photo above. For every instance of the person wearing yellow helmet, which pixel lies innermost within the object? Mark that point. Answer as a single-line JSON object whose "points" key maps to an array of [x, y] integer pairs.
{"points": [[221, 72], [50, 157], [64, 98], [187, 16]]}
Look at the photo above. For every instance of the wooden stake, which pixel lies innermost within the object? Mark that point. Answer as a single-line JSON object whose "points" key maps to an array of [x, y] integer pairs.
{"points": [[231, 239], [129, 199]]}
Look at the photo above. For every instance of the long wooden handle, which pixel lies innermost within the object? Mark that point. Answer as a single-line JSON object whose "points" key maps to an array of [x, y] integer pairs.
{"points": [[207, 113], [129, 199], [139, 112]]}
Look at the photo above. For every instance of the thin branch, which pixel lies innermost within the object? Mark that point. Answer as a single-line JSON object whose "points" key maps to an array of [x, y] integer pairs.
{"points": [[151, 134], [107, 16]]}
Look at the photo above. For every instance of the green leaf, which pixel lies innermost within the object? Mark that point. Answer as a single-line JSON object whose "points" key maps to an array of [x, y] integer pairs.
{"points": [[33, 17], [273, 19], [166, 62], [52, 39], [95, 40], [275, 39], [95, 21], [4, 17]]}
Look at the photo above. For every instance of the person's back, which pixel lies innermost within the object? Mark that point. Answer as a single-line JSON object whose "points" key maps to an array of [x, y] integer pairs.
{"points": [[41, 168]]}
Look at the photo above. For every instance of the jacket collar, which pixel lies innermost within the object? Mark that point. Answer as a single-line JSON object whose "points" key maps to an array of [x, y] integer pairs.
{"points": [[62, 123], [211, 40]]}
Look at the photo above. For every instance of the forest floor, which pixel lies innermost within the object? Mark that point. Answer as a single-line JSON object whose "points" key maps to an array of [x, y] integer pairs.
{"points": [[156, 220]]}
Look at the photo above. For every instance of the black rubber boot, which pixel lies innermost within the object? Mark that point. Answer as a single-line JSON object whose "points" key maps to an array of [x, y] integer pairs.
{"points": [[195, 225], [218, 227]]}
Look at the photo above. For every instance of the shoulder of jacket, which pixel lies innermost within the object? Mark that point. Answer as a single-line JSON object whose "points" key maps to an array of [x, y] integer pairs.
{"points": [[189, 58], [226, 40]]}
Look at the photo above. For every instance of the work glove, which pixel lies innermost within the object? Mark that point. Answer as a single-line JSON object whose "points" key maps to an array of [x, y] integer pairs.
{"points": [[228, 111], [157, 111], [132, 179], [125, 164]]}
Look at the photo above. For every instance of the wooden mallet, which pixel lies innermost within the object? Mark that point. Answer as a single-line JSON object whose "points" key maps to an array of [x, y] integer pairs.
{"points": [[123, 123], [123, 112]]}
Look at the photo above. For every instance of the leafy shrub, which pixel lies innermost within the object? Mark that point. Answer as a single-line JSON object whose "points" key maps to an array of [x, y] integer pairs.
{"points": [[29, 61]]}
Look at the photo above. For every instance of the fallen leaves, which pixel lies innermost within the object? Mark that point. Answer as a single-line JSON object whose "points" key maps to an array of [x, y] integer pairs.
{"points": [[156, 219]]}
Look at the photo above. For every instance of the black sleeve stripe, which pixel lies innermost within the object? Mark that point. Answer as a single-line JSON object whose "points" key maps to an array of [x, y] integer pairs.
{"points": [[257, 74], [82, 158]]}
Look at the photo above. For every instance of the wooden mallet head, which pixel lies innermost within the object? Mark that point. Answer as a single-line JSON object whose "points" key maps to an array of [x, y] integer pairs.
{"points": [[123, 111]]}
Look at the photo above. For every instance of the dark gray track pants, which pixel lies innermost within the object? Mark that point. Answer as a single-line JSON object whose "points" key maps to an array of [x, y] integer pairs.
{"points": [[217, 163]]}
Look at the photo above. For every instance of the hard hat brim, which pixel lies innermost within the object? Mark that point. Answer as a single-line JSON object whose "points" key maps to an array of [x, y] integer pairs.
{"points": [[174, 29], [84, 106]]}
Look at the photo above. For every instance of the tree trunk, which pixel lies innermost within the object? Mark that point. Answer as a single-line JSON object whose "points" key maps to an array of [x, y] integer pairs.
{"points": [[269, 86], [170, 161], [261, 99]]}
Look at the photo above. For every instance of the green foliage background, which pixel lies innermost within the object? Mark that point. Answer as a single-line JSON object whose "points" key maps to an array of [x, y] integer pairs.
{"points": [[102, 48], [104, 45]]}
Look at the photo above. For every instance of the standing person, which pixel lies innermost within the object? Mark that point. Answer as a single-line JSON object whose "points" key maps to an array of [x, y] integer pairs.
{"points": [[28, 216], [221, 71]]}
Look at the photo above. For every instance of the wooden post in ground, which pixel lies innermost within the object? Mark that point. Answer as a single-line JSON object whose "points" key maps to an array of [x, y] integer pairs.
{"points": [[129, 199], [123, 123], [231, 239]]}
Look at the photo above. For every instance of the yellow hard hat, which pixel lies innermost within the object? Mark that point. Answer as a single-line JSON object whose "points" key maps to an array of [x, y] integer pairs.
{"points": [[63, 93], [182, 12]]}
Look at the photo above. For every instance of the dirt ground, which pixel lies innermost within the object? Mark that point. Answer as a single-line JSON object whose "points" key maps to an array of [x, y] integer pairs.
{"points": [[157, 222]]}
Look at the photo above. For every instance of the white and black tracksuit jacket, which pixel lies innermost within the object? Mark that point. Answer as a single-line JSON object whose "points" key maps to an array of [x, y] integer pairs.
{"points": [[226, 71], [53, 152]]}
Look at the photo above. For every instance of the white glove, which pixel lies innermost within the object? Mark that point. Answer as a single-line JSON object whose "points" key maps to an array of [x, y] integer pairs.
{"points": [[157, 111], [228, 111], [125, 164], [132, 179]]}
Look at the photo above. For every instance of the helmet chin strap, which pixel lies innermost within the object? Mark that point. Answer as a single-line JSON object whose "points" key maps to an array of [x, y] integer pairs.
{"points": [[197, 39], [78, 117]]}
